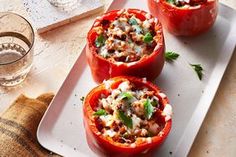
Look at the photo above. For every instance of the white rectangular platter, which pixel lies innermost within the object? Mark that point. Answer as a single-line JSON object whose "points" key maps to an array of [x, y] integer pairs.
{"points": [[61, 129]]}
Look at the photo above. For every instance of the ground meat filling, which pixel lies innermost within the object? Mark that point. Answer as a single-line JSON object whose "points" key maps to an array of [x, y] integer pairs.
{"points": [[126, 39], [128, 113], [182, 3]]}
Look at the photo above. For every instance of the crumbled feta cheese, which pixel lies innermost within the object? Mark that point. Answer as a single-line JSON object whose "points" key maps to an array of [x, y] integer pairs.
{"points": [[167, 112], [162, 95], [136, 121], [108, 83], [115, 92], [107, 119], [161, 133], [127, 28], [117, 31], [103, 52], [124, 86], [105, 105], [110, 133], [144, 132], [133, 145], [148, 16], [149, 140], [146, 24]]}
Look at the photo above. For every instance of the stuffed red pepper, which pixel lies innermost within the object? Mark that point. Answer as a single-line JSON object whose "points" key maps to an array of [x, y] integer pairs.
{"points": [[185, 17], [125, 42], [126, 115]]}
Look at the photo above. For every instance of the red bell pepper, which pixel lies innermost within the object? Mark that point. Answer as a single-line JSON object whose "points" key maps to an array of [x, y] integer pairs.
{"points": [[148, 66], [106, 145], [185, 21]]}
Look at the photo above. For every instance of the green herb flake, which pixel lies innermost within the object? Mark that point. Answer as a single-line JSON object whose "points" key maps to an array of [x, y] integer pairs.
{"points": [[171, 56], [100, 41], [82, 99], [171, 1], [100, 112], [154, 103], [126, 95], [125, 119], [149, 109], [133, 21], [198, 69], [148, 37]]}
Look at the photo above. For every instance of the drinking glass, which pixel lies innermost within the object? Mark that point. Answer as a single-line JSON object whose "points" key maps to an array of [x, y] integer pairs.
{"points": [[16, 48]]}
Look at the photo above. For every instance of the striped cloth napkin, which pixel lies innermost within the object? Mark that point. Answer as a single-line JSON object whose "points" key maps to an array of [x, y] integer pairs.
{"points": [[18, 126]]}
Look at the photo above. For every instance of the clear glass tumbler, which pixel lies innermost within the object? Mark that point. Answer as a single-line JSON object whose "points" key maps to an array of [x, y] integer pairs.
{"points": [[16, 48]]}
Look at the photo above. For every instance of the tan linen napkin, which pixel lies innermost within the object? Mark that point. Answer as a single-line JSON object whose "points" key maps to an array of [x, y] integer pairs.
{"points": [[18, 126]]}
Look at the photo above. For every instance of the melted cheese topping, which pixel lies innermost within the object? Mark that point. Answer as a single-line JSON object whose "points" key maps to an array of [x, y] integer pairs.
{"points": [[123, 40], [125, 119]]}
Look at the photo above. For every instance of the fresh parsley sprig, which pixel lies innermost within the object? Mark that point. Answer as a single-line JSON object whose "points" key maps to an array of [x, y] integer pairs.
{"points": [[126, 95], [100, 41], [125, 119], [100, 112], [198, 69], [149, 109], [148, 37], [170, 56]]}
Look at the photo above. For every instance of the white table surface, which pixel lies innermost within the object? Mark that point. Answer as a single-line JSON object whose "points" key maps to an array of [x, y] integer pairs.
{"points": [[57, 50]]}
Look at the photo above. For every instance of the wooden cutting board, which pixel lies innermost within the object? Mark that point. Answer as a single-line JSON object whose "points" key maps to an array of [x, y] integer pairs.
{"points": [[45, 16]]}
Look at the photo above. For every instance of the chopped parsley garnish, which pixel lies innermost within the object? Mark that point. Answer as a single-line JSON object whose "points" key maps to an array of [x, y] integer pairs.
{"points": [[148, 37], [100, 112], [198, 69], [100, 41], [171, 1], [82, 99], [154, 103], [126, 95], [149, 109], [133, 21], [171, 56], [125, 119]]}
